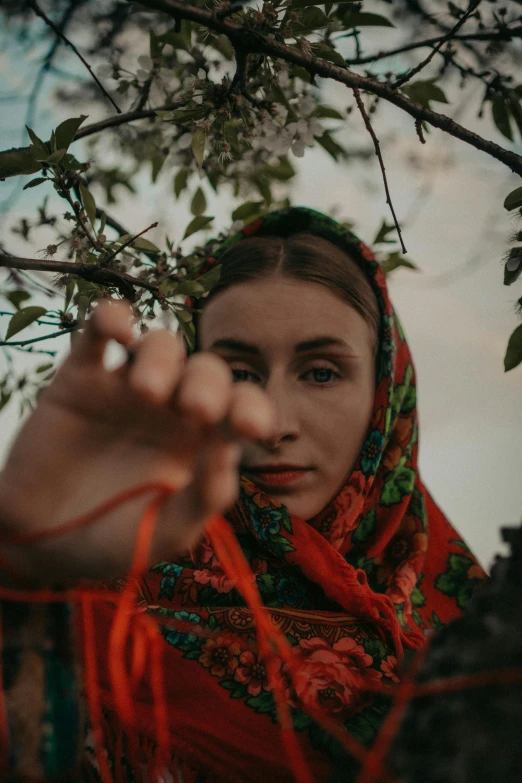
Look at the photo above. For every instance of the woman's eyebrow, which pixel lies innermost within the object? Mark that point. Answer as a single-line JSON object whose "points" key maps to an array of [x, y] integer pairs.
{"points": [[307, 345]]}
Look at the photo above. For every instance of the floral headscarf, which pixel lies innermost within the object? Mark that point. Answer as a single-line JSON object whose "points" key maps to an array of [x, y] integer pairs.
{"points": [[383, 526]]}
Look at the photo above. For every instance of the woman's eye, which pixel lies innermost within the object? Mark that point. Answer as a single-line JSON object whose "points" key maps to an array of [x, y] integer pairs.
{"points": [[323, 374], [241, 375]]}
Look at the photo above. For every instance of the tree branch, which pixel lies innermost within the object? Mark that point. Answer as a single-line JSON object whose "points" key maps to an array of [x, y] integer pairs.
{"points": [[255, 42], [65, 330], [38, 11], [500, 35], [122, 119], [90, 272], [377, 146], [449, 36]]}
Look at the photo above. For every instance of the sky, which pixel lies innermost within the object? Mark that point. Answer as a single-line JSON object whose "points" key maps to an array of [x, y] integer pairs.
{"points": [[456, 312]]}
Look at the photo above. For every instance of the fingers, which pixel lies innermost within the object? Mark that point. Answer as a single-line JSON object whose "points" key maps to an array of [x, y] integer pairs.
{"points": [[110, 320], [215, 485], [158, 365], [252, 414], [208, 393], [205, 391]]}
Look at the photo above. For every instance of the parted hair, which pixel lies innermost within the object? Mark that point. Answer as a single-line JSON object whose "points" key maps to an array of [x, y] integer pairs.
{"points": [[301, 256]]}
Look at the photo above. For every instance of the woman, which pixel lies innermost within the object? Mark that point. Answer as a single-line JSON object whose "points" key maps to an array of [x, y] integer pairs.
{"points": [[349, 551]]}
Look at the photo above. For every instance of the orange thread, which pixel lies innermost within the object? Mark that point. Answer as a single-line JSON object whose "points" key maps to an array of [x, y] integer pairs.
{"points": [[121, 684], [91, 686]]}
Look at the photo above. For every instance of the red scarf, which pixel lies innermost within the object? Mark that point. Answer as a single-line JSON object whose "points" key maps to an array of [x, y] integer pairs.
{"points": [[370, 574]]}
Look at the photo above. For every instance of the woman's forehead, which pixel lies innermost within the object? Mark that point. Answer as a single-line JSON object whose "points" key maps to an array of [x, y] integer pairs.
{"points": [[282, 310]]}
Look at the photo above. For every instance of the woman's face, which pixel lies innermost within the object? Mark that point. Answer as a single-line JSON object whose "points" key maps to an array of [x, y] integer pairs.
{"points": [[323, 393]]}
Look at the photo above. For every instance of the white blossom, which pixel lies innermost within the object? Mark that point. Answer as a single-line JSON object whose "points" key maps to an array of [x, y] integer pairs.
{"points": [[184, 141], [145, 62], [305, 105], [298, 148], [104, 71], [283, 78]]}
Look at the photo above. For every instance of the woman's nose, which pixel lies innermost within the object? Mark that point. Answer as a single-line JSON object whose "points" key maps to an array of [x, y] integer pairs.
{"points": [[287, 422]]}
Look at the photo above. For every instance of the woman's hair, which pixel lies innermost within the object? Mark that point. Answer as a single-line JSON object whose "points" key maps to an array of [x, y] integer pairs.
{"points": [[301, 256]]}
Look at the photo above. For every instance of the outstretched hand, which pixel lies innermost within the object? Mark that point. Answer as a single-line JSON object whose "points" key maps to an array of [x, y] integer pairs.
{"points": [[97, 432]]}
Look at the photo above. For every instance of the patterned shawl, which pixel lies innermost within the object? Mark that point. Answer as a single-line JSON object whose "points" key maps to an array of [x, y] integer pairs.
{"points": [[383, 526]]}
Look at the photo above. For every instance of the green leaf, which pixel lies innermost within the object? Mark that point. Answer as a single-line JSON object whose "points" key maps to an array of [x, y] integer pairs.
{"points": [[70, 163], [199, 142], [4, 398], [513, 199], [176, 40], [66, 131], [35, 182], [396, 260], [180, 181], [364, 19], [247, 210], [188, 288], [501, 116], [17, 161], [332, 147], [189, 333], [513, 355], [55, 158], [44, 367], [197, 224], [146, 245], [327, 113], [183, 315], [23, 318], [309, 20], [306, 3], [140, 243], [39, 149], [282, 171], [327, 53], [382, 234], [69, 291], [199, 203], [89, 204], [157, 162], [210, 278], [17, 297], [423, 92], [191, 114]]}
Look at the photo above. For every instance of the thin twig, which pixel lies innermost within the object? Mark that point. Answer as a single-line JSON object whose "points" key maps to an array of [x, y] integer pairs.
{"points": [[52, 354], [128, 242], [377, 146], [36, 8], [78, 213], [131, 116], [66, 330], [465, 16], [261, 44], [497, 35]]}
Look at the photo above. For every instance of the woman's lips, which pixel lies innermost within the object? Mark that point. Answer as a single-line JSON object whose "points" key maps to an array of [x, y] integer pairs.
{"points": [[277, 478]]}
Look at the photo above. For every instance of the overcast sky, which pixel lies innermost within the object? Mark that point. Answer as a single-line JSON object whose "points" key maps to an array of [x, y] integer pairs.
{"points": [[449, 202]]}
